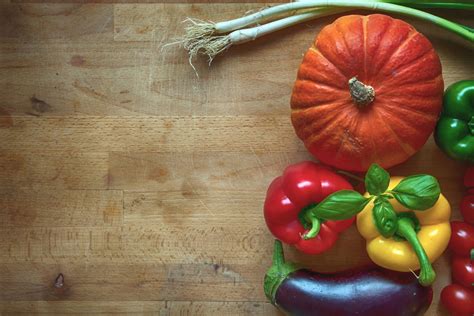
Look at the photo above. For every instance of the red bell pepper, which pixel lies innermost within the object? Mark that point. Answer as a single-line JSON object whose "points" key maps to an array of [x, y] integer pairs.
{"points": [[290, 202]]}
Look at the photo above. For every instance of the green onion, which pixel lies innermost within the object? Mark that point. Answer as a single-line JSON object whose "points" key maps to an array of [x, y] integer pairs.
{"points": [[428, 4], [213, 45], [213, 38]]}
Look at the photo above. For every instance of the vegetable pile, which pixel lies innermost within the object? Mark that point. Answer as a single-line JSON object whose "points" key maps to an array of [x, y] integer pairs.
{"points": [[404, 220], [458, 297], [368, 94]]}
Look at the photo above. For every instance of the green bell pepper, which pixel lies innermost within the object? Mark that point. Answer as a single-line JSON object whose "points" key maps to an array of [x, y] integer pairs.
{"points": [[454, 132]]}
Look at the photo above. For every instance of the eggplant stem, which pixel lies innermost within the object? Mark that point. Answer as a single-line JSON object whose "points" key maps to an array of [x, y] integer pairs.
{"points": [[278, 272], [278, 259]]}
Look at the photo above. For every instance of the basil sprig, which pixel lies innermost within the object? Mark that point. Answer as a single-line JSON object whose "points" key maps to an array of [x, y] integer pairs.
{"points": [[385, 217], [341, 205], [376, 180], [417, 192]]}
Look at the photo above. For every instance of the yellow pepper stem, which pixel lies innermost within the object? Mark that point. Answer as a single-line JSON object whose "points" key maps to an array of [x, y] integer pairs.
{"points": [[406, 229]]}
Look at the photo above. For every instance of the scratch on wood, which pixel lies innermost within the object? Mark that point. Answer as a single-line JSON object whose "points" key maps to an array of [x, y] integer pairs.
{"points": [[259, 162], [32, 114], [49, 243], [206, 207], [90, 240], [105, 23], [89, 91], [58, 172]]}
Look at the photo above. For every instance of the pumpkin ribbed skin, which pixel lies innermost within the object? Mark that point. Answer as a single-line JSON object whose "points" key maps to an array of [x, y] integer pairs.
{"points": [[405, 72]]}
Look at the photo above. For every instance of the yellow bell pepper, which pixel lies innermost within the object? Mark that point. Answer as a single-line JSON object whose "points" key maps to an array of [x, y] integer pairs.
{"points": [[419, 241]]}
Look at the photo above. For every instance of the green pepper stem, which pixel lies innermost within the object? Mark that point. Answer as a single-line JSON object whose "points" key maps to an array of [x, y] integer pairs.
{"points": [[278, 272], [315, 226], [406, 229]]}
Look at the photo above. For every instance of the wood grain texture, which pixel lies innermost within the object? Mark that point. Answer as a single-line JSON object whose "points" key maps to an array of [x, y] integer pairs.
{"points": [[70, 170], [164, 308], [150, 134], [144, 184], [21, 207]]}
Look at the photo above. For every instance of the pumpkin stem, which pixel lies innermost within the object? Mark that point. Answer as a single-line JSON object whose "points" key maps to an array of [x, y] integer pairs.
{"points": [[362, 94]]}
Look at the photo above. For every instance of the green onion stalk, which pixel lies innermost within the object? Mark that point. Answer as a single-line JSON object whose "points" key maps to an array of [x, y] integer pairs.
{"points": [[211, 38]]}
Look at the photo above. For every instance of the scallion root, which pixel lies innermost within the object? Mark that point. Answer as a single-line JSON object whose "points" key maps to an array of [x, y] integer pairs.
{"points": [[197, 30], [210, 46], [200, 37]]}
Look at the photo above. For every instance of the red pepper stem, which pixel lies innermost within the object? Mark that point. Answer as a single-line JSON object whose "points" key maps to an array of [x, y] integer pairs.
{"points": [[350, 175], [315, 227]]}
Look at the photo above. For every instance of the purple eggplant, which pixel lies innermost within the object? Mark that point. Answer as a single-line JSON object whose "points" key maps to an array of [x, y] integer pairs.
{"points": [[365, 292]]}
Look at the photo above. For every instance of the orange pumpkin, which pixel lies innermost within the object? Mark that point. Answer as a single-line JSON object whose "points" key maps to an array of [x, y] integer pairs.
{"points": [[368, 90]]}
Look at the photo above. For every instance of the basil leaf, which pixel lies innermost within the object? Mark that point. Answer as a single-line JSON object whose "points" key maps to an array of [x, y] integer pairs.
{"points": [[341, 205], [417, 192], [376, 180], [385, 217]]}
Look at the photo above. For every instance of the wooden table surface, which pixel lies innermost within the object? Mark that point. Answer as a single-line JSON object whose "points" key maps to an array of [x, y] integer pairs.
{"points": [[142, 184]]}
